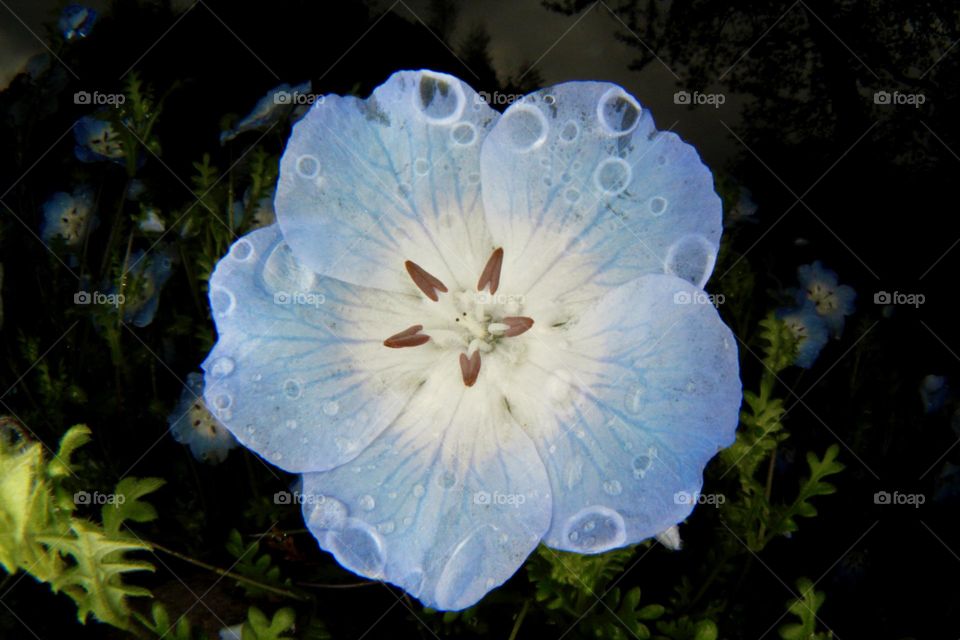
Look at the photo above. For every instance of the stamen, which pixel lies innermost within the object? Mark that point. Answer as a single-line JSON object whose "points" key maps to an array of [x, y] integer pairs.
{"points": [[425, 282], [497, 328], [517, 324], [410, 337], [470, 367], [491, 272]]}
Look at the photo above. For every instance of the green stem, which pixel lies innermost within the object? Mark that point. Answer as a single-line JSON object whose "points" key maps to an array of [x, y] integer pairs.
{"points": [[229, 574], [520, 617]]}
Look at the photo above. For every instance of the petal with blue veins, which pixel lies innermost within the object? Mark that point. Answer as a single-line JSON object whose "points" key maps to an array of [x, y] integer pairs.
{"points": [[635, 395], [447, 503], [580, 169], [299, 373], [366, 185]]}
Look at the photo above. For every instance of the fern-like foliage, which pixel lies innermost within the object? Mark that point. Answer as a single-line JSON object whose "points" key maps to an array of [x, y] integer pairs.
{"points": [[252, 564], [805, 608], [41, 535], [259, 627]]}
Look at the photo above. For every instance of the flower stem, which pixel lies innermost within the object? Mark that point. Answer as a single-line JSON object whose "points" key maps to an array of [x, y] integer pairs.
{"points": [[229, 574], [520, 617]]}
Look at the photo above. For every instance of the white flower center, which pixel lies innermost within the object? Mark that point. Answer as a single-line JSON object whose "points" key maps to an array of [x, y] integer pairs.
{"points": [[472, 322]]}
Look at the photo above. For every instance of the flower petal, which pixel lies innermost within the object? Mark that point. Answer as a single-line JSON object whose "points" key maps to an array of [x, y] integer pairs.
{"points": [[368, 184], [299, 373], [640, 392], [579, 168], [447, 503]]}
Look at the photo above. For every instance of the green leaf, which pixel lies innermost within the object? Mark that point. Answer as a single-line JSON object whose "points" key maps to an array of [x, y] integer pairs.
{"points": [[805, 608], [127, 504], [258, 627], [809, 488]]}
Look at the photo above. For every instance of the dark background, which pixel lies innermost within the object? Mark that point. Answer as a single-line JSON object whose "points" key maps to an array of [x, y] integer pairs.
{"points": [[869, 189]]}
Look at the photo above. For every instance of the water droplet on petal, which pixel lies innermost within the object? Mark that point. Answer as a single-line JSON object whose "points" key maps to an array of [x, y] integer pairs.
{"points": [[446, 479], [386, 528], [463, 134], [657, 205], [222, 302], [242, 250], [308, 166], [418, 490], [525, 127], [292, 389], [570, 131], [613, 487], [222, 367], [331, 408], [327, 513], [692, 258], [612, 176], [440, 98], [367, 503], [358, 548], [618, 112], [421, 166], [605, 526]]}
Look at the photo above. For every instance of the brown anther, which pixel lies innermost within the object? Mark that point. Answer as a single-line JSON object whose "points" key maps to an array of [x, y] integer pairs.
{"points": [[517, 324], [491, 272], [470, 367], [407, 338], [425, 282]]}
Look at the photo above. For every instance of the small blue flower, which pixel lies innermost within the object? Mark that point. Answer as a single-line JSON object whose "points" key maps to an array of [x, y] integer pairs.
{"points": [[150, 220], [933, 393], [462, 372], [146, 274], [831, 300], [279, 102], [97, 140], [76, 21], [192, 424], [810, 330], [68, 218]]}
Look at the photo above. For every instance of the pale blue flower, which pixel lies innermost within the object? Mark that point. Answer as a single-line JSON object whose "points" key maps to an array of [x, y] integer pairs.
{"points": [[192, 424], [460, 373], [145, 277], [831, 300], [279, 103], [810, 330], [97, 140], [933, 393], [76, 21], [150, 220], [68, 218]]}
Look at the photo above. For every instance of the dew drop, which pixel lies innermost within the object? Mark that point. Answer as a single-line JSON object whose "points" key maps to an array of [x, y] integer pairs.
{"points": [[387, 527], [525, 127], [612, 176], [618, 112], [242, 250], [308, 166], [223, 401], [358, 548], [570, 131], [292, 389], [463, 134], [291, 424], [367, 503], [331, 408], [571, 195], [692, 258], [327, 513], [418, 490], [605, 526], [421, 166], [613, 487], [222, 302], [223, 367], [446, 479], [657, 205], [440, 98]]}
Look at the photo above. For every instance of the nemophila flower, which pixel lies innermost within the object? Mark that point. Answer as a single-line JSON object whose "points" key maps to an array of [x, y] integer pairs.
{"points": [[68, 218], [933, 393], [474, 332], [97, 140], [279, 103], [192, 424], [76, 21], [146, 274], [831, 300], [811, 331], [150, 221]]}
